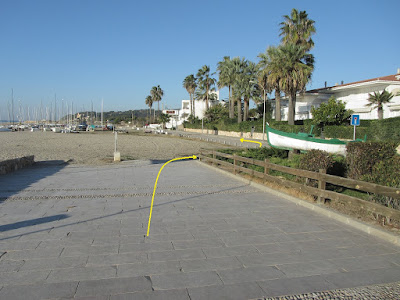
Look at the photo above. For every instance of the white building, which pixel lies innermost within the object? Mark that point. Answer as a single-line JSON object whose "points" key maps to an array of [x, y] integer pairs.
{"points": [[178, 116], [354, 94]]}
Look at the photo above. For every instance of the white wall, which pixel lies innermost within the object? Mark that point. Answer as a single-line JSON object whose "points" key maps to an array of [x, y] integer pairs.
{"points": [[355, 98], [199, 107], [184, 112]]}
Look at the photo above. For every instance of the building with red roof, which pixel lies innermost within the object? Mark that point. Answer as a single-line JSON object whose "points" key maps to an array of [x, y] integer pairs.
{"points": [[354, 94]]}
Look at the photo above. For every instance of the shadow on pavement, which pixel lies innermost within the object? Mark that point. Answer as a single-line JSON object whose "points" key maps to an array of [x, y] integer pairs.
{"points": [[12, 183], [122, 212], [32, 222]]}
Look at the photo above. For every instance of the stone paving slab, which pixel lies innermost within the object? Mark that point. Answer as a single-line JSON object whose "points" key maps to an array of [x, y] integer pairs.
{"points": [[40, 291], [78, 232], [113, 286]]}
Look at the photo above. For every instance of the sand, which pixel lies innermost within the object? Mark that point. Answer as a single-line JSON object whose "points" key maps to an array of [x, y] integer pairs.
{"points": [[96, 148]]}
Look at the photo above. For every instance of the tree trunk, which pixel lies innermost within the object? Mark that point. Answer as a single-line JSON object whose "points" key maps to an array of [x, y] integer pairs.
{"points": [[292, 108], [246, 110], [194, 105], [380, 112], [231, 104], [239, 106], [154, 111], [191, 104], [277, 105], [207, 92]]}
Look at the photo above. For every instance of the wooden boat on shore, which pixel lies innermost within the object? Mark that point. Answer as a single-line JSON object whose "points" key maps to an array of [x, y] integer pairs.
{"points": [[303, 141]]}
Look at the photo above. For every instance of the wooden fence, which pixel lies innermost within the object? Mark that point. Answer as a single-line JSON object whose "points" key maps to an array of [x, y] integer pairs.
{"points": [[321, 193]]}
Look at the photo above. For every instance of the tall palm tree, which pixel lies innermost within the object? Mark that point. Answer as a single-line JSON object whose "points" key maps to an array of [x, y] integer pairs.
{"points": [[205, 83], [226, 79], [296, 71], [377, 99], [250, 86], [262, 82], [149, 103], [238, 70], [156, 93], [297, 29], [271, 63], [189, 83]]}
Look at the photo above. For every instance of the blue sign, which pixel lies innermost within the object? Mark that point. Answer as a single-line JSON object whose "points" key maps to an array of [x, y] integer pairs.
{"points": [[355, 120]]}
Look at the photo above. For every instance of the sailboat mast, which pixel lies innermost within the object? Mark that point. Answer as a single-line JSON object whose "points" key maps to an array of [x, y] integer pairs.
{"points": [[12, 105], [102, 103]]}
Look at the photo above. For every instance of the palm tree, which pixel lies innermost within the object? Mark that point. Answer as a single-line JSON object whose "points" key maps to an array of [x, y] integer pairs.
{"points": [[189, 83], [205, 83], [156, 93], [376, 100], [262, 82], [238, 83], [249, 86], [164, 118], [271, 62], [297, 29], [296, 69], [226, 79], [149, 103]]}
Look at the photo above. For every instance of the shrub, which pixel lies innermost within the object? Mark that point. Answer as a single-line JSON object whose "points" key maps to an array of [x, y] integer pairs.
{"points": [[314, 160], [361, 157], [331, 113], [217, 112], [263, 153], [386, 173]]}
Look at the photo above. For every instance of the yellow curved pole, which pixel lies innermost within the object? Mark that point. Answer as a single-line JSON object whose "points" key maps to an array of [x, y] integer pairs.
{"points": [[155, 185], [243, 140]]}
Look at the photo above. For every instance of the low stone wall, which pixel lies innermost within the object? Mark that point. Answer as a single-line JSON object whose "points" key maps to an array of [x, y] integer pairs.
{"points": [[246, 135], [11, 165]]}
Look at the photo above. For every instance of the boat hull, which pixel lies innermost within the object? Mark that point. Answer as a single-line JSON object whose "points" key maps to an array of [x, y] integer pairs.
{"points": [[289, 141]]}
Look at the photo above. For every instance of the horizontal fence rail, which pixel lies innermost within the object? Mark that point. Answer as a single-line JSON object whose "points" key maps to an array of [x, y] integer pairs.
{"points": [[321, 193]]}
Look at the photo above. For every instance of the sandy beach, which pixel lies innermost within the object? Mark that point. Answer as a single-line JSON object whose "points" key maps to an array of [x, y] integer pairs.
{"points": [[94, 148]]}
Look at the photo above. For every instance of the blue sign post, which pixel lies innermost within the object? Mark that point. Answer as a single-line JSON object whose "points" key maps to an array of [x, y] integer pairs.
{"points": [[355, 121]]}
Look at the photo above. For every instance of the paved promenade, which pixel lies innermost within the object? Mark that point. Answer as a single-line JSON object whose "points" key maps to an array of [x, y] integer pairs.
{"points": [[76, 232], [221, 139]]}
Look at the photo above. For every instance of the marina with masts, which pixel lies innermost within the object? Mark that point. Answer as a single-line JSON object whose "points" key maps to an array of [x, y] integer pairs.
{"points": [[58, 116]]}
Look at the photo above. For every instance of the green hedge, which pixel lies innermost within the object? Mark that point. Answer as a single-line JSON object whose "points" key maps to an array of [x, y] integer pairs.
{"points": [[361, 157], [346, 132], [232, 125], [376, 130]]}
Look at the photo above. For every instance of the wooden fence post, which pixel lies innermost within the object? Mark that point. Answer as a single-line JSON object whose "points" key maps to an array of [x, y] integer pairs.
{"points": [[234, 164], [213, 156], [266, 169], [321, 185]]}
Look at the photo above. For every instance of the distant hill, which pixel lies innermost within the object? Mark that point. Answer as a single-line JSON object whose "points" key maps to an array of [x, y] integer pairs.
{"points": [[139, 115]]}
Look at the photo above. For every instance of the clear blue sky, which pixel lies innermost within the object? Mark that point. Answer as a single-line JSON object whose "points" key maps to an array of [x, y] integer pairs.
{"points": [[87, 50]]}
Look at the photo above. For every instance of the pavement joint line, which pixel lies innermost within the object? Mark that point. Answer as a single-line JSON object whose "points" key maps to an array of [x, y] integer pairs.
{"points": [[373, 231], [102, 217], [125, 195], [116, 189]]}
